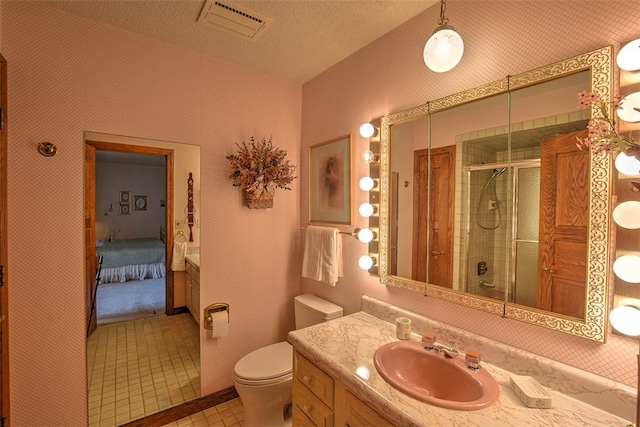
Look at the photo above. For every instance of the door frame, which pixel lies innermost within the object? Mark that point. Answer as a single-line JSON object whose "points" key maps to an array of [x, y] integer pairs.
{"points": [[168, 154], [4, 247]]}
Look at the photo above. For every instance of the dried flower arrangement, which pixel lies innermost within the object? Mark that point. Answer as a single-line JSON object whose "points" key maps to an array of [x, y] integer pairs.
{"points": [[259, 168], [603, 133]]}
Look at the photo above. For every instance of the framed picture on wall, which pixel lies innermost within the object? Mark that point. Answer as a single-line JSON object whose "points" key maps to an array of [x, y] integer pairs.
{"points": [[125, 208], [125, 197], [330, 181], [140, 203]]}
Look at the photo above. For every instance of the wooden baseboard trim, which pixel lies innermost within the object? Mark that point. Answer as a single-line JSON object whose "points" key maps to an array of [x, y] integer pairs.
{"points": [[184, 410], [180, 310]]}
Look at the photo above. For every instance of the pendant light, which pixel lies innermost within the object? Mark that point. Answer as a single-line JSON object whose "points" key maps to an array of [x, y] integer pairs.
{"points": [[445, 47]]}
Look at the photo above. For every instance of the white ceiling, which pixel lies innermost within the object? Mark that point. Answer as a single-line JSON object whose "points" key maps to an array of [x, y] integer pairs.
{"points": [[304, 38]]}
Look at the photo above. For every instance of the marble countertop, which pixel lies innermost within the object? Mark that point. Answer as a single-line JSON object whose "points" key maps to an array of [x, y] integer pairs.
{"points": [[194, 259], [344, 348]]}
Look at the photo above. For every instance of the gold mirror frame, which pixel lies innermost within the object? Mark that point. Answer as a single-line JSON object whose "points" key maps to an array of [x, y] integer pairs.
{"points": [[593, 327]]}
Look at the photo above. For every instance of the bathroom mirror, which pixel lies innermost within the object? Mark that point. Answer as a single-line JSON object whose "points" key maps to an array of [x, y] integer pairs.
{"points": [[472, 234]]}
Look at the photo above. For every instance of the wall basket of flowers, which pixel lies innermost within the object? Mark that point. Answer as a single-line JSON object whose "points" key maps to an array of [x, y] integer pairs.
{"points": [[258, 169]]}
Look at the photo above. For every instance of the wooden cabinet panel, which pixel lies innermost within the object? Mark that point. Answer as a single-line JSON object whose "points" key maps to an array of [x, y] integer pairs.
{"points": [[319, 400], [316, 380], [353, 412], [311, 406], [193, 290]]}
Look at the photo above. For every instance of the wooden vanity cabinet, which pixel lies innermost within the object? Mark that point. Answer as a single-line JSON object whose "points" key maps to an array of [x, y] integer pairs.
{"points": [[312, 394], [320, 400], [193, 290]]}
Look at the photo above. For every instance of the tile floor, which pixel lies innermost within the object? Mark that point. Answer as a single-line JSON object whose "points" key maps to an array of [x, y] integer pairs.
{"points": [[142, 366], [228, 414]]}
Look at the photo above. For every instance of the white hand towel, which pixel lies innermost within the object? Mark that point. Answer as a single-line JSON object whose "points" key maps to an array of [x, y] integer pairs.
{"points": [[179, 254], [322, 259]]}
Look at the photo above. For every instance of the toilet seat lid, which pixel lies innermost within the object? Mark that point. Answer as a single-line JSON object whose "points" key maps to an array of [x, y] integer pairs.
{"points": [[265, 363]]}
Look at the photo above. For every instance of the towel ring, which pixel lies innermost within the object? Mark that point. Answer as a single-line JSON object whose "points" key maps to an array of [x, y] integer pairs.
{"points": [[180, 233]]}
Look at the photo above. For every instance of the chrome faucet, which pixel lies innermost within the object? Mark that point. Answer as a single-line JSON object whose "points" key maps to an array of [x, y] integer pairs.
{"points": [[429, 343]]}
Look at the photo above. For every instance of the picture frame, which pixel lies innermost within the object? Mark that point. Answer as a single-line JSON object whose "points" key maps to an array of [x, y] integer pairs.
{"points": [[140, 203], [125, 209], [331, 181], [125, 196]]}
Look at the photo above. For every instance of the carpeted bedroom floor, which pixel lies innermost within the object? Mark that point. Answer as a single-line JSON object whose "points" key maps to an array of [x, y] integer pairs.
{"points": [[135, 299]]}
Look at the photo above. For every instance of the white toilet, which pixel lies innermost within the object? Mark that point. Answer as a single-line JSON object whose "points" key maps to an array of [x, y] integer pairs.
{"points": [[263, 377]]}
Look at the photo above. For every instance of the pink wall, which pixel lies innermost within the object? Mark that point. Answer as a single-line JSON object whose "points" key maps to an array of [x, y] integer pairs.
{"points": [[68, 75], [389, 75]]}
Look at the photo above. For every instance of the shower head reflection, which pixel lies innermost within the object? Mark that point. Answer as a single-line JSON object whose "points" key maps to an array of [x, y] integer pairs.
{"points": [[497, 173]]}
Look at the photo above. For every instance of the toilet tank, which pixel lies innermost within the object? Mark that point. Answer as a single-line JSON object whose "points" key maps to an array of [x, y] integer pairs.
{"points": [[311, 310]]}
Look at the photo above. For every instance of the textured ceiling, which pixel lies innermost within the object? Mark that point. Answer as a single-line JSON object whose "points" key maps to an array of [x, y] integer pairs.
{"points": [[304, 38]]}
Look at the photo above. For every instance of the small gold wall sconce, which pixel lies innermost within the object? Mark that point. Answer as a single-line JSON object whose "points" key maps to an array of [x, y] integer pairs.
{"points": [[47, 149]]}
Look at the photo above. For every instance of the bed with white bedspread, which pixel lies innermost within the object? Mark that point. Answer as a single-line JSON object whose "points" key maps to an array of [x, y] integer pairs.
{"points": [[132, 259]]}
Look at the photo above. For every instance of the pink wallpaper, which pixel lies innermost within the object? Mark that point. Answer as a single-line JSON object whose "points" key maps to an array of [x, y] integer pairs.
{"points": [[389, 75], [68, 75]]}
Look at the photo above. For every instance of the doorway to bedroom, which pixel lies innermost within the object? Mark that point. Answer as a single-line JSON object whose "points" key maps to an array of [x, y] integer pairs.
{"points": [[128, 228], [130, 235]]}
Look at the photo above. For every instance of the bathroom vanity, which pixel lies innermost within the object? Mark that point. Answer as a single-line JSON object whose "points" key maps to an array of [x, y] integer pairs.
{"points": [[193, 285], [336, 382], [321, 400]]}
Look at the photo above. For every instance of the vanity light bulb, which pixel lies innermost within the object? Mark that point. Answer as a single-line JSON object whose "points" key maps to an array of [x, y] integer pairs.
{"points": [[627, 268], [366, 183], [365, 262], [627, 110], [370, 156], [626, 320], [365, 235], [628, 58], [367, 130], [627, 215], [627, 165], [366, 210]]}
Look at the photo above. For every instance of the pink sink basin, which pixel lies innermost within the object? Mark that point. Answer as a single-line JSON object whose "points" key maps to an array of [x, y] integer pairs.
{"points": [[427, 376]]}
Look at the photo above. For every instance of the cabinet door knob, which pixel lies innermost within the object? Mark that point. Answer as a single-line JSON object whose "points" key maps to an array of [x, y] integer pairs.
{"points": [[306, 409], [547, 270], [306, 379], [436, 253]]}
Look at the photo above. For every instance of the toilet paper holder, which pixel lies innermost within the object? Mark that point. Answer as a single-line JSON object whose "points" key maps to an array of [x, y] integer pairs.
{"points": [[214, 308]]}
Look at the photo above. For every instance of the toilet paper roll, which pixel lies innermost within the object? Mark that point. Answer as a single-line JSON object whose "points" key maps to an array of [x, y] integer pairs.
{"points": [[220, 323]]}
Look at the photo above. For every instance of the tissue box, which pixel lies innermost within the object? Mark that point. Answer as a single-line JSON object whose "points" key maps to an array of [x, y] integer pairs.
{"points": [[530, 392]]}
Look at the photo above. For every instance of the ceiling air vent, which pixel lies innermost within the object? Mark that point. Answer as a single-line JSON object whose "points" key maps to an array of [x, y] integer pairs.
{"points": [[233, 19]]}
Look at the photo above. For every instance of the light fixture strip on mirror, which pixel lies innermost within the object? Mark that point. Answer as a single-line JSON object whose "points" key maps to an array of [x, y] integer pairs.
{"points": [[599, 64], [371, 156]]}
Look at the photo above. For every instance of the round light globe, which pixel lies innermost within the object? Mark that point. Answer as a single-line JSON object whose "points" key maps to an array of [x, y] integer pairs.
{"points": [[365, 235], [627, 165], [626, 111], [627, 268], [366, 183], [366, 210], [626, 320], [443, 50], [629, 56], [365, 262], [627, 215], [367, 130]]}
